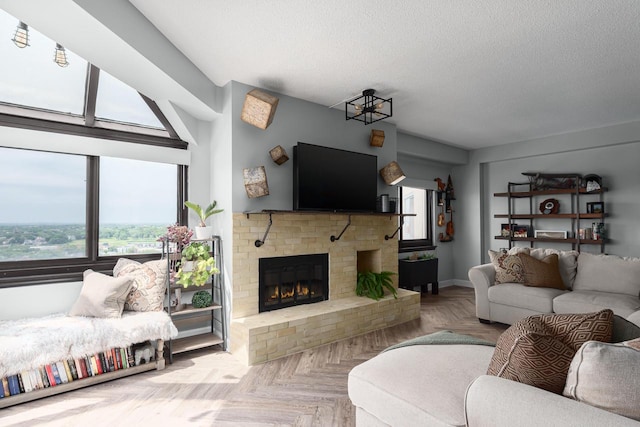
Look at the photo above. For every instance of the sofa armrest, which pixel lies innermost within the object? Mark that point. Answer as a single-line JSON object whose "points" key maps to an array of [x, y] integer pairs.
{"points": [[494, 402], [482, 277]]}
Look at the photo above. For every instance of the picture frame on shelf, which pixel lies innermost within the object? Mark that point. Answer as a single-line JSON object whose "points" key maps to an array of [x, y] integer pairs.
{"points": [[595, 207], [550, 234], [506, 230], [521, 231]]}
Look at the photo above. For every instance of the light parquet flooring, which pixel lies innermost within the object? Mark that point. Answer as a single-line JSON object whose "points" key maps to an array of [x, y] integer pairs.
{"points": [[215, 389]]}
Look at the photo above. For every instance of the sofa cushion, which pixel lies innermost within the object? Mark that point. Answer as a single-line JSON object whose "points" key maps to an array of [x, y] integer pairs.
{"points": [[624, 330], [101, 295], [149, 283], [589, 301], [517, 295], [608, 273], [542, 273], [418, 385], [538, 350], [567, 263], [607, 376], [509, 268]]}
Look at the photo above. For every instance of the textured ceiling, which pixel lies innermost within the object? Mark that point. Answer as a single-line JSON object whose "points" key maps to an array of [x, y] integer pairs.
{"points": [[470, 73]]}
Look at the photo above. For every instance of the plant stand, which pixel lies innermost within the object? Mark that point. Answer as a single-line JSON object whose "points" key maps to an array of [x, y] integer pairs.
{"points": [[419, 272]]}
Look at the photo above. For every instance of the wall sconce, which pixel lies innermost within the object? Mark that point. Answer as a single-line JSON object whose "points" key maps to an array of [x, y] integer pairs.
{"points": [[21, 36], [368, 108], [60, 56], [392, 174]]}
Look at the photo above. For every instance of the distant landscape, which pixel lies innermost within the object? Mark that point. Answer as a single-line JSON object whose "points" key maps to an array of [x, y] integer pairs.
{"points": [[20, 242]]}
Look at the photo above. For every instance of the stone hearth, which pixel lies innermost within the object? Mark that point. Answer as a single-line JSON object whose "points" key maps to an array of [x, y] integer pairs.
{"points": [[259, 337]]}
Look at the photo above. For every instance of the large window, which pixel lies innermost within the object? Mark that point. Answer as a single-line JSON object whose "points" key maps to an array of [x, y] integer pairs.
{"points": [[62, 214], [416, 231]]}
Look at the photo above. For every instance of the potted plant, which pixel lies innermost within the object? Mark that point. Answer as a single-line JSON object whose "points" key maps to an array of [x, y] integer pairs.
{"points": [[196, 265], [202, 230], [373, 285]]}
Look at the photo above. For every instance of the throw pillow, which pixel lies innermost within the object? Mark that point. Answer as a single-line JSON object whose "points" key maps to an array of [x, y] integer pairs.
{"points": [[543, 273], [607, 376], [101, 295], [508, 267], [567, 263], [538, 350], [149, 283], [624, 330]]}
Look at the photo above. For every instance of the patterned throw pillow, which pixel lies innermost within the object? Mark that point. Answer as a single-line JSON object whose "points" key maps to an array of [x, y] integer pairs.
{"points": [[149, 283], [538, 350], [509, 268], [607, 376], [541, 273]]}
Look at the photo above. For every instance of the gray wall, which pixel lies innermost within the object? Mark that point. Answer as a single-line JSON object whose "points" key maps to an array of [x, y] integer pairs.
{"points": [[296, 121], [611, 152]]}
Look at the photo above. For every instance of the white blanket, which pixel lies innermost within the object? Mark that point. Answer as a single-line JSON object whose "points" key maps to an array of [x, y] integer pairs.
{"points": [[29, 343]]}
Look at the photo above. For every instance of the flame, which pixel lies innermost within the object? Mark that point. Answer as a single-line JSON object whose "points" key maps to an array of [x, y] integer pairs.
{"points": [[299, 289]]}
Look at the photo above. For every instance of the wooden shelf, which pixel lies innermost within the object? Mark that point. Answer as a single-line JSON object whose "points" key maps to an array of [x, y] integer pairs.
{"points": [[519, 194], [190, 310], [556, 216], [541, 239], [181, 345]]}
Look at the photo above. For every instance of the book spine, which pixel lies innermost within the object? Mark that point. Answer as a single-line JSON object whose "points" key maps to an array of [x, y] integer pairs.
{"points": [[67, 370], [108, 355], [20, 382], [86, 370], [38, 377], [72, 369], [14, 386], [26, 381], [51, 376], [5, 386], [56, 374], [123, 356], [62, 373], [79, 372], [117, 363], [45, 377], [95, 364], [87, 364], [103, 361], [130, 357]]}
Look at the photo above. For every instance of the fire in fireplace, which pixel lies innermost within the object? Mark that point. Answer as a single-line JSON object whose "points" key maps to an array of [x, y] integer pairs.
{"points": [[293, 280]]}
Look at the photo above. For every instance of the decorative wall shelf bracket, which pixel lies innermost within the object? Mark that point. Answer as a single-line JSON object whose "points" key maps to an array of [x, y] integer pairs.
{"points": [[387, 237], [259, 243], [334, 238]]}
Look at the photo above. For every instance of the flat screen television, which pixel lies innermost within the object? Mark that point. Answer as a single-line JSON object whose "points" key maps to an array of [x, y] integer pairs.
{"points": [[330, 179]]}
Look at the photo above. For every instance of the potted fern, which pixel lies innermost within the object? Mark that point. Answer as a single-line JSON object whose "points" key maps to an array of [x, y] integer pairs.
{"points": [[202, 230], [373, 285]]}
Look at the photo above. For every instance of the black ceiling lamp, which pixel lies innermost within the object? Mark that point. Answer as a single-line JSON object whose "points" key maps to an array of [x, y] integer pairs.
{"points": [[368, 108]]}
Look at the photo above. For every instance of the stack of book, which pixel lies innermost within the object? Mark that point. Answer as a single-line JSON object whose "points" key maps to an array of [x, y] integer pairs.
{"points": [[67, 371]]}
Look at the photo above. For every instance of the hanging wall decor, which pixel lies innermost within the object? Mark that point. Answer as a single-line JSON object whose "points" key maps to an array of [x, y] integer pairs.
{"points": [[255, 182], [376, 139], [259, 108], [278, 155]]}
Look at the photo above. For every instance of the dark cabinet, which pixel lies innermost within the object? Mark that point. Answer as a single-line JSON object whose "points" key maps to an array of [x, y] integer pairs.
{"points": [[419, 272]]}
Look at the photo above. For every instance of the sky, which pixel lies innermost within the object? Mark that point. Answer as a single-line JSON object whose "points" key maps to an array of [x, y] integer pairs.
{"points": [[38, 187]]}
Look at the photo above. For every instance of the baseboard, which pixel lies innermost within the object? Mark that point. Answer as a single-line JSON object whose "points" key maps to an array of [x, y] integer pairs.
{"points": [[455, 282]]}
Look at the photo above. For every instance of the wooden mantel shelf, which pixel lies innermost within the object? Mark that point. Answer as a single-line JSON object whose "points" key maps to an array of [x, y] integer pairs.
{"points": [[258, 243]]}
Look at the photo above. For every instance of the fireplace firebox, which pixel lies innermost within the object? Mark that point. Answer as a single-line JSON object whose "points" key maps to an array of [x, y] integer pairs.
{"points": [[293, 280]]}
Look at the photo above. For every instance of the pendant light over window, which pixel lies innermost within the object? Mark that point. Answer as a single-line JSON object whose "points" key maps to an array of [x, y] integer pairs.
{"points": [[60, 56], [21, 36]]}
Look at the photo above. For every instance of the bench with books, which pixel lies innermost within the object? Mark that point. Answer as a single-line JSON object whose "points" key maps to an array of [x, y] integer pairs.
{"points": [[116, 328]]}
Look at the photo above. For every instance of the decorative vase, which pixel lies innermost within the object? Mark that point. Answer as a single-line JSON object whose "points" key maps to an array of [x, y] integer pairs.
{"points": [[203, 233]]}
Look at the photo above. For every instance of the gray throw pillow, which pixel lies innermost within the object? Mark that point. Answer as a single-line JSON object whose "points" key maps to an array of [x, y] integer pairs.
{"points": [[101, 295]]}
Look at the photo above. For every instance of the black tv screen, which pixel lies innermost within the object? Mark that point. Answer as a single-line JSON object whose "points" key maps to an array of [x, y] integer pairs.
{"points": [[330, 179]]}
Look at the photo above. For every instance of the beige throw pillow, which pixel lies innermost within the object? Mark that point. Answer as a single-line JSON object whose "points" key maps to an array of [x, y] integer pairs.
{"points": [[149, 283], [509, 268], [607, 376], [542, 273], [101, 295], [608, 273], [538, 350]]}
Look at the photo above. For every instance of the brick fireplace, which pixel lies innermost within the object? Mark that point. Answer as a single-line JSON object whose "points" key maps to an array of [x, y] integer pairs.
{"points": [[260, 336]]}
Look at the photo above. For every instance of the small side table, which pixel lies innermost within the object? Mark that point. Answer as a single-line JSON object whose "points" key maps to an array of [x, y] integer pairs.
{"points": [[419, 272]]}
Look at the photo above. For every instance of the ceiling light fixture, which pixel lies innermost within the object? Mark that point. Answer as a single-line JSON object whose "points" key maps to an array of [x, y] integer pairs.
{"points": [[21, 36], [60, 56], [368, 108]]}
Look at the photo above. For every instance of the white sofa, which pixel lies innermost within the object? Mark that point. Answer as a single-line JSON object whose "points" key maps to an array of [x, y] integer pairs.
{"points": [[445, 385], [594, 282]]}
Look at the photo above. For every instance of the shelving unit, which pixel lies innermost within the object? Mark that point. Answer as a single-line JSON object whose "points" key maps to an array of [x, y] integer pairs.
{"points": [[189, 318], [574, 196]]}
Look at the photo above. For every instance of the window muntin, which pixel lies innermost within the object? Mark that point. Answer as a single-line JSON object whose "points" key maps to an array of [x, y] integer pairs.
{"points": [[415, 233], [43, 209], [133, 216]]}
